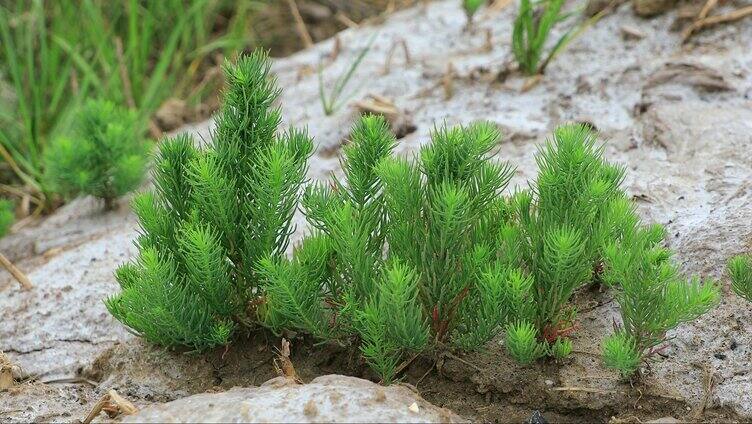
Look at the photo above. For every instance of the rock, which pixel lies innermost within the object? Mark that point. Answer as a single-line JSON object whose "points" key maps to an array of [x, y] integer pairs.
{"points": [[172, 114], [652, 7], [536, 418], [330, 398]]}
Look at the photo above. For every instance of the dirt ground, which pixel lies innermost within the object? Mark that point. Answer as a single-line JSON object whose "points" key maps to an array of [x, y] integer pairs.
{"points": [[678, 115]]}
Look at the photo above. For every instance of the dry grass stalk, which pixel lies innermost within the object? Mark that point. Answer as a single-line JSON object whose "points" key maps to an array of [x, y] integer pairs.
{"points": [[390, 55], [300, 25], [703, 21], [17, 274], [113, 405], [531, 83], [6, 372], [448, 81], [500, 4], [283, 364]]}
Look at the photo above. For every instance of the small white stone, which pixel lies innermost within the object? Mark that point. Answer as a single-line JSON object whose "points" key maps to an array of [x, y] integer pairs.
{"points": [[414, 407], [549, 383]]}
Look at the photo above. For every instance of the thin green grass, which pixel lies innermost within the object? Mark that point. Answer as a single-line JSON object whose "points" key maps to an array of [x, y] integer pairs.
{"points": [[136, 53], [336, 98], [532, 30]]}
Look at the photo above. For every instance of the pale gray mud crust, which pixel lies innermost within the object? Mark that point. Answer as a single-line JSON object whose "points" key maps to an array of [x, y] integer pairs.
{"points": [[679, 116]]}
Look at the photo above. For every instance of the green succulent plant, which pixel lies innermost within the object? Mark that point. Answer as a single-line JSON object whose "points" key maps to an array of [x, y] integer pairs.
{"points": [[523, 344], [402, 255], [532, 30], [103, 157], [213, 215], [404, 249], [620, 353], [653, 296], [740, 271]]}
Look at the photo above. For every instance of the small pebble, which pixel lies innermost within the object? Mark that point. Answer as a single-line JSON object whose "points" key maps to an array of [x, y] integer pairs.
{"points": [[630, 32], [536, 418]]}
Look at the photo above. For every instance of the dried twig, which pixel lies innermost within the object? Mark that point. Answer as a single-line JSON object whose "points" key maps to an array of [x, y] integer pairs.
{"points": [[336, 49], [457, 358], [6, 372], [531, 82], [406, 363], [583, 389], [488, 44], [389, 56], [708, 386], [345, 20], [702, 23], [300, 25], [71, 380], [428, 371], [113, 405], [283, 364], [709, 5], [499, 5], [17, 274], [448, 81]]}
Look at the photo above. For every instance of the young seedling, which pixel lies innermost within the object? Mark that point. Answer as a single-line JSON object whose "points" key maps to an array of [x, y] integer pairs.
{"points": [[561, 348], [213, 215], [104, 157], [471, 7], [522, 342], [740, 271], [404, 253], [7, 216], [653, 297], [334, 99], [532, 30]]}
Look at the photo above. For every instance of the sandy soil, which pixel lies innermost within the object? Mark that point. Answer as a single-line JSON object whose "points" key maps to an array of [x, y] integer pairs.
{"points": [[680, 117]]}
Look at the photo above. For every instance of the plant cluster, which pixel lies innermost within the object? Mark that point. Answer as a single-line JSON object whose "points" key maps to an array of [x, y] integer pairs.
{"points": [[407, 257], [215, 212], [104, 157], [560, 225], [404, 256], [134, 53], [740, 271], [532, 29]]}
